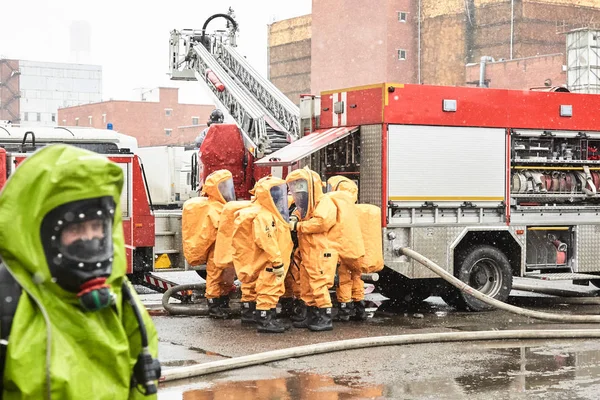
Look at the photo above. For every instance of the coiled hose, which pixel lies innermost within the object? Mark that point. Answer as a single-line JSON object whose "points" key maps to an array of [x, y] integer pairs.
{"points": [[445, 337], [175, 309]]}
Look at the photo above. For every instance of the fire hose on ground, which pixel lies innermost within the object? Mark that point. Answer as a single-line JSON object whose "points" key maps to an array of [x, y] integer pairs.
{"points": [[443, 337]]}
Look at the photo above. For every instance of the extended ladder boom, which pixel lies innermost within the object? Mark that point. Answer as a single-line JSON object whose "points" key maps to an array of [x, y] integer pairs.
{"points": [[267, 118]]}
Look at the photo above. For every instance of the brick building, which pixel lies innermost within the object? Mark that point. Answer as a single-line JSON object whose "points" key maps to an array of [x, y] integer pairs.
{"points": [[356, 43], [521, 73], [154, 123]]}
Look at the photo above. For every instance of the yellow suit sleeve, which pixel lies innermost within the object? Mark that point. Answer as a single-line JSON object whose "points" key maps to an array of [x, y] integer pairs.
{"points": [[323, 218]]}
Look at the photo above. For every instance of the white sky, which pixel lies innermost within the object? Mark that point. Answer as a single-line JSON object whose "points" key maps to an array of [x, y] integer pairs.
{"points": [[129, 38]]}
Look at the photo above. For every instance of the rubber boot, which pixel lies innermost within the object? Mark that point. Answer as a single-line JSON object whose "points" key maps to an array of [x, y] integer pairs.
{"points": [[360, 313], [298, 311], [215, 310], [308, 318], [321, 320], [248, 308], [266, 323], [345, 311], [286, 325], [225, 302], [287, 307]]}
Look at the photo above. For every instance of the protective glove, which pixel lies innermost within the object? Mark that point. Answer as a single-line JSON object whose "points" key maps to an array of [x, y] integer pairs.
{"points": [[293, 223], [278, 270]]}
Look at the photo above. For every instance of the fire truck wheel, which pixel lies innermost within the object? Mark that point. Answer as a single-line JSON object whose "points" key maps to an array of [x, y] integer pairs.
{"points": [[486, 269]]}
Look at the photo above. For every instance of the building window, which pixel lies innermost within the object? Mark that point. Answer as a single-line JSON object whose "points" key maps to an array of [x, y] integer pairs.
{"points": [[25, 116], [168, 132], [195, 120], [402, 16], [90, 119], [38, 117], [168, 112], [53, 117], [104, 118], [76, 121], [401, 54]]}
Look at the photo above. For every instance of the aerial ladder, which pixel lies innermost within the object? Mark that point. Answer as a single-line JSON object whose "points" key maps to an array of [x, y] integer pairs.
{"points": [[267, 119]]}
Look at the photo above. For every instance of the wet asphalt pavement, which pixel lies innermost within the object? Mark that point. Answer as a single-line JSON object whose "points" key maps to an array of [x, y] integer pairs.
{"points": [[538, 369]]}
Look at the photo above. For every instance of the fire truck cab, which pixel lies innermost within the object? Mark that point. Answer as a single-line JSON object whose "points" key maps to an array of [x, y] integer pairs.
{"points": [[487, 183]]}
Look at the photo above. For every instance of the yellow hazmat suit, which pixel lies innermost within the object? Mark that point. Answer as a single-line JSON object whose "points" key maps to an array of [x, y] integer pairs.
{"points": [[317, 216], [218, 190], [223, 253], [351, 286], [265, 254], [243, 230]]}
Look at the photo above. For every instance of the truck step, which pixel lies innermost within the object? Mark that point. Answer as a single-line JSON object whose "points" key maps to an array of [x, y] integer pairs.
{"points": [[568, 276], [166, 251]]}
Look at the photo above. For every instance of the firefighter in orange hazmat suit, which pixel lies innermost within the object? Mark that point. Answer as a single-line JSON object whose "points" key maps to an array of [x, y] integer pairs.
{"points": [[265, 255], [317, 214], [292, 305], [219, 189], [351, 288]]}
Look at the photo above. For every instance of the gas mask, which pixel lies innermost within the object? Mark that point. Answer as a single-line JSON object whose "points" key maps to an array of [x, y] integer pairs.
{"points": [[279, 196], [299, 190], [77, 241]]}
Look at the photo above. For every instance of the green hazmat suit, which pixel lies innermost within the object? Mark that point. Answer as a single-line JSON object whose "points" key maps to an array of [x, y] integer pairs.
{"points": [[56, 349]]}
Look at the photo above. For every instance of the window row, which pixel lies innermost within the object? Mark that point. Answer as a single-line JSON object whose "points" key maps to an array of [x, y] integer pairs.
{"points": [[169, 112]]}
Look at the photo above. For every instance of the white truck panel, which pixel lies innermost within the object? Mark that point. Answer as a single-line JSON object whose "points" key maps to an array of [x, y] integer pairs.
{"points": [[446, 165], [163, 165]]}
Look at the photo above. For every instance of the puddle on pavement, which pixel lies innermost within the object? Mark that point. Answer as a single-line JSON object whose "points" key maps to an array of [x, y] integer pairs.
{"points": [[550, 371], [294, 386]]}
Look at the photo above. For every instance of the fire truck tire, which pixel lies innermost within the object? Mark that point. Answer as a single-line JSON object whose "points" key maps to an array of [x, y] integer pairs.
{"points": [[486, 269]]}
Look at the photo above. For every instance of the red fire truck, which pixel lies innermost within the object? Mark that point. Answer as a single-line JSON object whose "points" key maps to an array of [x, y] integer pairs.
{"points": [[17, 143], [487, 183]]}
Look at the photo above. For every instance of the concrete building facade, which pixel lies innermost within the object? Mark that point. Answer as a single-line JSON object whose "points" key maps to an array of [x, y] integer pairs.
{"points": [[355, 43], [154, 123], [32, 91], [459, 32], [289, 56]]}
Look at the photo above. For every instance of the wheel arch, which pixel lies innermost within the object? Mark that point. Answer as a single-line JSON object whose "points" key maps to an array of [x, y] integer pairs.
{"points": [[503, 239]]}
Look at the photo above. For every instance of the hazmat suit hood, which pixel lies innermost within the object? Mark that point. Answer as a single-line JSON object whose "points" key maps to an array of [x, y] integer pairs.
{"points": [[212, 182], [264, 191], [54, 176], [341, 183], [315, 187]]}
